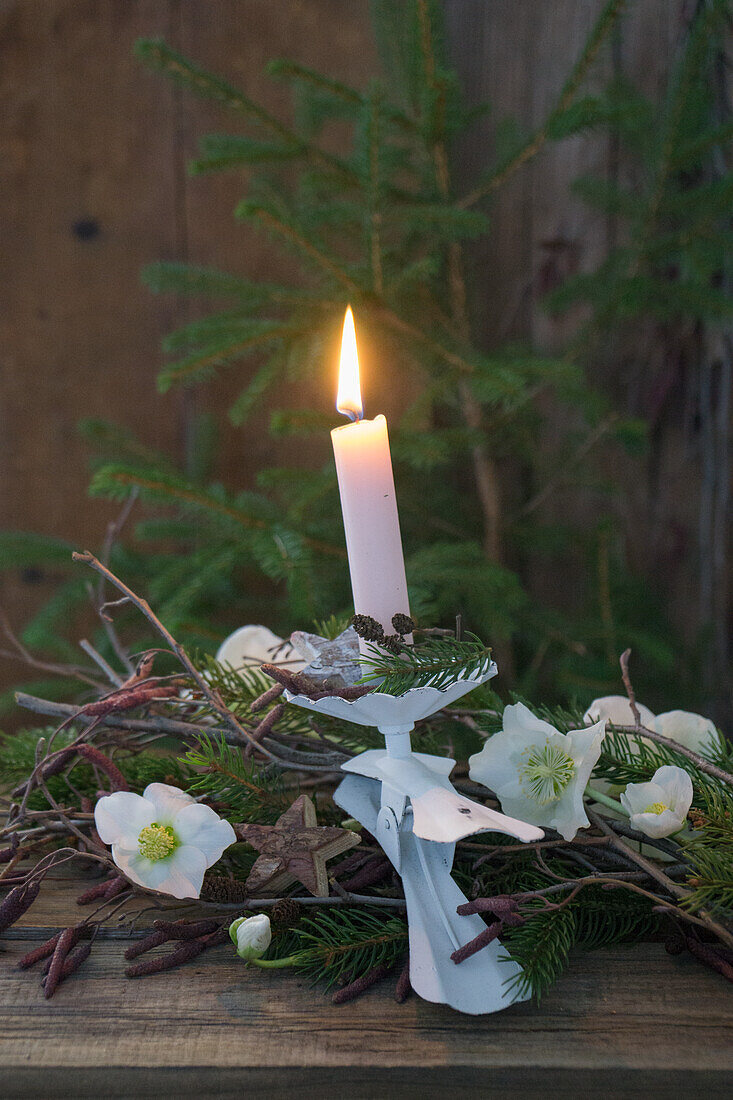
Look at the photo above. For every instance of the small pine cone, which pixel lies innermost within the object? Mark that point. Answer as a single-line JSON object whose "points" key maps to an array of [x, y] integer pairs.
{"points": [[286, 912], [222, 889], [403, 624], [392, 643], [368, 628]]}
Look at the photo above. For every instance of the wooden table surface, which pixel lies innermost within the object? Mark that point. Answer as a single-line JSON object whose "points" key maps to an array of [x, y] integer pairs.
{"points": [[625, 1021]]}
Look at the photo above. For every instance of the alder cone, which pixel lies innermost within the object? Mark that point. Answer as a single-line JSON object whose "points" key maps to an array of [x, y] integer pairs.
{"points": [[221, 888], [286, 913]]}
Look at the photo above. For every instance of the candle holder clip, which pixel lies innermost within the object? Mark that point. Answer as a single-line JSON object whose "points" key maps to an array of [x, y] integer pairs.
{"points": [[406, 800]]}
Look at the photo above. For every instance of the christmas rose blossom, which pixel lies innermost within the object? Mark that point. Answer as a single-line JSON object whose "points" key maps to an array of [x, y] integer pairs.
{"points": [[251, 646], [688, 729], [616, 709], [251, 936], [162, 839], [539, 774], [659, 807]]}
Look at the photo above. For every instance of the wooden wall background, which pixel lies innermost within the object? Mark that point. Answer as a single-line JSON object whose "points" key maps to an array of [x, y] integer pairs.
{"points": [[93, 185]]}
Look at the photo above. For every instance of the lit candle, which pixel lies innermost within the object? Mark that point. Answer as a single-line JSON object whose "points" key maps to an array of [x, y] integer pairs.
{"points": [[368, 501]]}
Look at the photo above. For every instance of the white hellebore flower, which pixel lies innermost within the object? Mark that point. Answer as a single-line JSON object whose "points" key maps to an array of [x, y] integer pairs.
{"points": [[162, 839], [690, 730], [251, 936], [616, 709], [659, 808], [539, 774], [252, 646]]}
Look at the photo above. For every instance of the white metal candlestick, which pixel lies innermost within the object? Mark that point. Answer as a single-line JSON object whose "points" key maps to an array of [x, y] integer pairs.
{"points": [[406, 800]]}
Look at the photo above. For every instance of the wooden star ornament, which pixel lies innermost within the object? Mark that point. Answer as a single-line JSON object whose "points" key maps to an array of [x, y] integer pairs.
{"points": [[294, 849]]}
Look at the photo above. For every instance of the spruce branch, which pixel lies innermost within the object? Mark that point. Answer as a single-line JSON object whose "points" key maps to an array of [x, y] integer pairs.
{"points": [[156, 54], [118, 481], [435, 662], [291, 70], [203, 364], [273, 220], [602, 29], [343, 945], [246, 790]]}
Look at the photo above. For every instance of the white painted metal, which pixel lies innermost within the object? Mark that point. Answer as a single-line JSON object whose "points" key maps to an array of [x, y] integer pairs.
{"points": [[406, 800]]}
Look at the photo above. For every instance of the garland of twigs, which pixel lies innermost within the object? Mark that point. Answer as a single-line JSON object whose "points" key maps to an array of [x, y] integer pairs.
{"points": [[133, 711]]}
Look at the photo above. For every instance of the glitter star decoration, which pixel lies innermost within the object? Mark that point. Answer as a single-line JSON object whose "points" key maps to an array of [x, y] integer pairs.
{"points": [[295, 849]]}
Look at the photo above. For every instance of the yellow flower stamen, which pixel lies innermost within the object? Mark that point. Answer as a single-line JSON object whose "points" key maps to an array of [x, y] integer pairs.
{"points": [[546, 773], [157, 841], [656, 808]]}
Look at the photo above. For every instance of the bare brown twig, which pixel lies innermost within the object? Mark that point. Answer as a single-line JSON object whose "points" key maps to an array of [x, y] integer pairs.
{"points": [[212, 696], [114, 529], [20, 652]]}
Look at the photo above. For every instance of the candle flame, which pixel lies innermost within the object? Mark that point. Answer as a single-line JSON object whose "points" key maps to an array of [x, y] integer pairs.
{"points": [[348, 399]]}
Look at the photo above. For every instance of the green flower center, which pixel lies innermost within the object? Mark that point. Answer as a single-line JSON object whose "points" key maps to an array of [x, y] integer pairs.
{"points": [[656, 808], [547, 772], [157, 841]]}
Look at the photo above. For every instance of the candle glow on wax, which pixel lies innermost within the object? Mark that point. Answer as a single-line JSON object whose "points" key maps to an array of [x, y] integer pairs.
{"points": [[368, 501]]}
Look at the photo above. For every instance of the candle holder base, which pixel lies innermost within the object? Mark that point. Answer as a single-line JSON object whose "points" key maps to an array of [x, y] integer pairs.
{"points": [[406, 800], [487, 981]]}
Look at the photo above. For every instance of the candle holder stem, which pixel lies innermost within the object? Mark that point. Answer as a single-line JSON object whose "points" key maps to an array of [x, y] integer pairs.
{"points": [[397, 740]]}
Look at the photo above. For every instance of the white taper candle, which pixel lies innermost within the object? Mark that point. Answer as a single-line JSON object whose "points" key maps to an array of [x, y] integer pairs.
{"points": [[368, 500]]}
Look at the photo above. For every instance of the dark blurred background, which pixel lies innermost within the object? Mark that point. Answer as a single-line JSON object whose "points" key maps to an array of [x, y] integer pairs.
{"points": [[94, 186]]}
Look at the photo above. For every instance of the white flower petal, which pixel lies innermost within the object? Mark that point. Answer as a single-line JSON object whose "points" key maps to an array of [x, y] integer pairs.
{"points": [[201, 827], [519, 719], [585, 747], [145, 872], [688, 729], [496, 764], [180, 875], [677, 785], [121, 816], [638, 796], [617, 710], [515, 803], [187, 867], [569, 815], [168, 801], [657, 825], [253, 645], [253, 935]]}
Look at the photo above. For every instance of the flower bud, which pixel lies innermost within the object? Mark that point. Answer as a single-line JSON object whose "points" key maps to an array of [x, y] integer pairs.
{"points": [[251, 936]]}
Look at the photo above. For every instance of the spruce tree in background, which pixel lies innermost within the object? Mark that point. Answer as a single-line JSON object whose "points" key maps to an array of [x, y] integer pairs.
{"points": [[382, 226]]}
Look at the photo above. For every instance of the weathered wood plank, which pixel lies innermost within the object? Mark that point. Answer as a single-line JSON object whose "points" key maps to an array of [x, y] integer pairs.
{"points": [[625, 1021], [80, 140]]}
